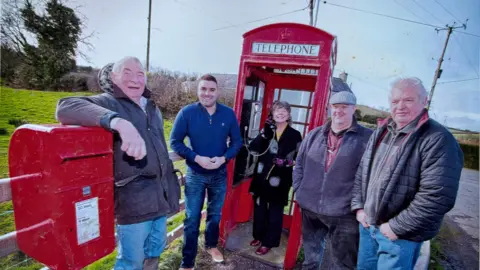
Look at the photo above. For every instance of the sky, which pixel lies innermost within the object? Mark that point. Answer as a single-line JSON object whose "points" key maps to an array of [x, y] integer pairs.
{"points": [[372, 49]]}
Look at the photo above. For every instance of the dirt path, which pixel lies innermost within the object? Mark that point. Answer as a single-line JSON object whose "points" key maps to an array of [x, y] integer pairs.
{"points": [[232, 262], [458, 239]]}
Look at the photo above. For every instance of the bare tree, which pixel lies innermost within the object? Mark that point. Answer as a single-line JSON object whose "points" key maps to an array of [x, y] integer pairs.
{"points": [[14, 34], [12, 30]]}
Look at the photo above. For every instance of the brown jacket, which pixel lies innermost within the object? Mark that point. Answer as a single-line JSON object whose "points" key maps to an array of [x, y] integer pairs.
{"points": [[144, 189]]}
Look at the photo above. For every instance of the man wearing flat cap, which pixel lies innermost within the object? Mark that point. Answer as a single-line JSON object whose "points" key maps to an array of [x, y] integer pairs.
{"points": [[323, 180]]}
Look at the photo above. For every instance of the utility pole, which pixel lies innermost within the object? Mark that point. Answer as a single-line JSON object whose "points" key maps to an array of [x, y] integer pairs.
{"points": [[438, 71], [310, 6], [148, 38], [316, 15]]}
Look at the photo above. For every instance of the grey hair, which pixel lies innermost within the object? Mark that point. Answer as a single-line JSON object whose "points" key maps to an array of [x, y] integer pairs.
{"points": [[117, 67], [409, 82]]}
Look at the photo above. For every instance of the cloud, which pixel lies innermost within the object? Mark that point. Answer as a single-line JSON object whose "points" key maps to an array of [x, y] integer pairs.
{"points": [[458, 119], [464, 123]]}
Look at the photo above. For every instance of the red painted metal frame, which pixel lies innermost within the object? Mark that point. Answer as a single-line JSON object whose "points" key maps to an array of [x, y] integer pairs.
{"points": [[238, 203]]}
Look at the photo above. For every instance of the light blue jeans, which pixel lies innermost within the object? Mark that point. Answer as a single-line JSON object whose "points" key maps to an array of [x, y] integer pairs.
{"points": [[376, 251], [140, 241]]}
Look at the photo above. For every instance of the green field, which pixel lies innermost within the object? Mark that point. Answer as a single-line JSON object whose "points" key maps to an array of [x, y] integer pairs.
{"points": [[38, 107], [468, 138]]}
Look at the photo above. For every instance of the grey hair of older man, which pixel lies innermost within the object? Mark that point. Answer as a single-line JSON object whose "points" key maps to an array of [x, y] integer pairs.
{"points": [[409, 82]]}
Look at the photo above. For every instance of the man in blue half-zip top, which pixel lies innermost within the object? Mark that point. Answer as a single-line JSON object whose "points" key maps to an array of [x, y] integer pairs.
{"points": [[208, 125]]}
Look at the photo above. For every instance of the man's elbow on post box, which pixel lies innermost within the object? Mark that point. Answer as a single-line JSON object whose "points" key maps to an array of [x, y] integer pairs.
{"points": [[84, 111]]}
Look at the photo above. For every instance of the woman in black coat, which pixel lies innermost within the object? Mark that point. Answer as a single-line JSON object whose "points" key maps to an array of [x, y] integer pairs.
{"points": [[276, 147]]}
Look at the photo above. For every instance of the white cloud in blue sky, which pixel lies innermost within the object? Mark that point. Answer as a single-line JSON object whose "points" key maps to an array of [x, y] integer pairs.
{"points": [[372, 49]]}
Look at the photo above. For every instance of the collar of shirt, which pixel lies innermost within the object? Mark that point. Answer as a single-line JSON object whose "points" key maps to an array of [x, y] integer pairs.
{"points": [[406, 129], [338, 134], [143, 103], [217, 107]]}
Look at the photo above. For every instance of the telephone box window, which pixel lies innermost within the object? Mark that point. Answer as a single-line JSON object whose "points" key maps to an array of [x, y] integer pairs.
{"points": [[295, 97]]}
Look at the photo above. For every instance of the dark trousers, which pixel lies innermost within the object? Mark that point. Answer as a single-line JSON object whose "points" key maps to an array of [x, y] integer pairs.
{"points": [[343, 238], [267, 223]]}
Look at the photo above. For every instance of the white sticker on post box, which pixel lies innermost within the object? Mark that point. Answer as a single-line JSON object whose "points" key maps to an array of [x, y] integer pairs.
{"points": [[88, 224]]}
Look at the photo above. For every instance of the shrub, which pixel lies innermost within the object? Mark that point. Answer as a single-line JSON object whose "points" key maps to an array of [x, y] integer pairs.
{"points": [[3, 131], [10, 60], [470, 156], [358, 115], [92, 82], [368, 125], [371, 119], [171, 91], [17, 122], [73, 82]]}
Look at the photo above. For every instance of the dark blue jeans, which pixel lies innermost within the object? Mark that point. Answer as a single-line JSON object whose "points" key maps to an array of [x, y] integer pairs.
{"points": [[215, 185], [378, 252]]}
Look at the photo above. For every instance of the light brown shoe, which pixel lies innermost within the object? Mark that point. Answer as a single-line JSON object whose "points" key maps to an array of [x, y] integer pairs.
{"points": [[150, 264], [216, 255]]}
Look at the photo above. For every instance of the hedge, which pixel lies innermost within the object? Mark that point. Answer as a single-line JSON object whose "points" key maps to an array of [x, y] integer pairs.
{"points": [[470, 155]]}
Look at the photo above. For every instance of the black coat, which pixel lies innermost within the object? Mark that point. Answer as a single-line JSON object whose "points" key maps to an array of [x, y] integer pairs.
{"points": [[422, 182], [262, 184]]}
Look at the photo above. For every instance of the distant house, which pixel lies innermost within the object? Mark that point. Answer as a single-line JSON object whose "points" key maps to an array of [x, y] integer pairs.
{"points": [[340, 84]]}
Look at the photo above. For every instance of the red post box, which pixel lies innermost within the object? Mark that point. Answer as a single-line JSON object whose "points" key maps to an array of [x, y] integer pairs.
{"points": [[62, 193]]}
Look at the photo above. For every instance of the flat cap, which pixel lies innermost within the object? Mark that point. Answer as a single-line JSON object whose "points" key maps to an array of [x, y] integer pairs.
{"points": [[343, 97]]}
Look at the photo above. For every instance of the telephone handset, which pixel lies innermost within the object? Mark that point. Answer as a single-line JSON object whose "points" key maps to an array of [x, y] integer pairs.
{"points": [[271, 121]]}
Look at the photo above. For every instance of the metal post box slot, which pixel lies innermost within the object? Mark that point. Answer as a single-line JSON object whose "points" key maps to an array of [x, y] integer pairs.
{"points": [[62, 193]]}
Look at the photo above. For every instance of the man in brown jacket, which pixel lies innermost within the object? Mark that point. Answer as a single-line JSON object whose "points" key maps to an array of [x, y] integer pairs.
{"points": [[146, 187]]}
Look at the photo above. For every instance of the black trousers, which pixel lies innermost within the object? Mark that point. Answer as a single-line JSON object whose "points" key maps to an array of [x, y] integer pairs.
{"points": [[342, 245], [267, 222]]}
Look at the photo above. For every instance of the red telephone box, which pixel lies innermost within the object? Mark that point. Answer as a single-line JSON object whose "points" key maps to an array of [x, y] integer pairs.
{"points": [[284, 61], [62, 193]]}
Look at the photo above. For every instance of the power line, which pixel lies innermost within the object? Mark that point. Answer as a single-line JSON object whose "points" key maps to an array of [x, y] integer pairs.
{"points": [[466, 56], [411, 12], [465, 80], [382, 15], [195, 9], [262, 19], [438, 71], [470, 34], [427, 11], [396, 18], [367, 82], [447, 11]]}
